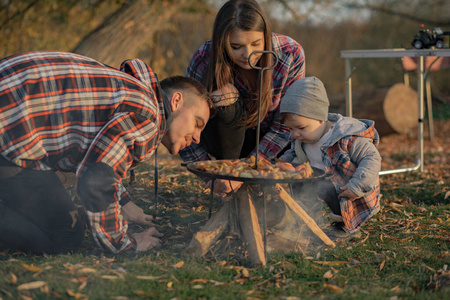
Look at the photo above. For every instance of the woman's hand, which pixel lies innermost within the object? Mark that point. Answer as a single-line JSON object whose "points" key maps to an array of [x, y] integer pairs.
{"points": [[223, 187], [227, 95]]}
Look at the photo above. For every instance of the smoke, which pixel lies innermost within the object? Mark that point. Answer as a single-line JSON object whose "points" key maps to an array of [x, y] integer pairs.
{"points": [[292, 234]]}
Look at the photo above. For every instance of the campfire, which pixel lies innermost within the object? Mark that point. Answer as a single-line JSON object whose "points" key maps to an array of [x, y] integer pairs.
{"points": [[261, 213]]}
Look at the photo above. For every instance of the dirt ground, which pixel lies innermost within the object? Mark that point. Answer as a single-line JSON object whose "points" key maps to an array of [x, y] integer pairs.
{"points": [[396, 150]]}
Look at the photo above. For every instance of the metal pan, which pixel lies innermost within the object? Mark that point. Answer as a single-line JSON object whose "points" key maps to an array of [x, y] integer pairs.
{"points": [[317, 174]]}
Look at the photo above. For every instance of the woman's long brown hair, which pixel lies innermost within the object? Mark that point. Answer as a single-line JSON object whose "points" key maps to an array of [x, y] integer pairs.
{"points": [[245, 15]]}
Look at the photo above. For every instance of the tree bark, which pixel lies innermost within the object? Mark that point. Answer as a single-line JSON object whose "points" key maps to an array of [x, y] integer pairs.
{"points": [[121, 35]]}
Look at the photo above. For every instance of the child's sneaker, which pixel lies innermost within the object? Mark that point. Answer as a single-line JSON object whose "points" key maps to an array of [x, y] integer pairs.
{"points": [[339, 232]]}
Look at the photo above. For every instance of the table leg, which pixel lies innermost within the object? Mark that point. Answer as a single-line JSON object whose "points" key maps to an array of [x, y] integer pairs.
{"points": [[420, 84], [348, 95], [429, 108]]}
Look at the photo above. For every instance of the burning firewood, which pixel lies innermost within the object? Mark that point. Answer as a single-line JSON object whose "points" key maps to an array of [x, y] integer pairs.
{"points": [[249, 217]]}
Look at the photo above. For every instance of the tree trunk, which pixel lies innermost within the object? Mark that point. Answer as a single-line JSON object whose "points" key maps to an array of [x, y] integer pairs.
{"points": [[121, 35]]}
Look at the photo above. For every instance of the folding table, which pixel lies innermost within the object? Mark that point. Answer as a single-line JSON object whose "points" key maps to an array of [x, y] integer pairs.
{"points": [[389, 53]]}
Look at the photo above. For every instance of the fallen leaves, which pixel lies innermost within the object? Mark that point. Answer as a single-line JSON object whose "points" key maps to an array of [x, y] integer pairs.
{"points": [[13, 280], [87, 270], [148, 277], [328, 274], [440, 279], [447, 195], [76, 295], [32, 268], [333, 288], [330, 263], [382, 265], [178, 264], [31, 285]]}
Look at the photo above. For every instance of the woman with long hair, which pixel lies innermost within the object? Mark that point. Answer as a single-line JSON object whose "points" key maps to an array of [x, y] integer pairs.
{"points": [[222, 65]]}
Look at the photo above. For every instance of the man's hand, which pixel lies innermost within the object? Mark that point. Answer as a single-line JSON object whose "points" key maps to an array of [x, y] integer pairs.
{"points": [[148, 239], [132, 213], [348, 193], [223, 187]]}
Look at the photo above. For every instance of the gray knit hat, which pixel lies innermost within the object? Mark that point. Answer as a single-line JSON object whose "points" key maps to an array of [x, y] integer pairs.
{"points": [[306, 97]]}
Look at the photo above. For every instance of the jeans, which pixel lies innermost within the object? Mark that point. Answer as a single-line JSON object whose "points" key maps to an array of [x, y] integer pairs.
{"points": [[37, 214], [225, 138]]}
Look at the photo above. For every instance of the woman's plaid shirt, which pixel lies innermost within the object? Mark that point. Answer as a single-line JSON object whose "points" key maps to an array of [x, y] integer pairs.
{"points": [[63, 111], [290, 67]]}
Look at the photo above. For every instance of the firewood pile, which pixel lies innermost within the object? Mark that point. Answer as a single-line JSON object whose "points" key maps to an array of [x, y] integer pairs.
{"points": [[236, 230]]}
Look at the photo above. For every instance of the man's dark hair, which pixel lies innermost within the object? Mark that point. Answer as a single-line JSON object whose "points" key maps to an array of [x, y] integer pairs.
{"points": [[181, 83]]}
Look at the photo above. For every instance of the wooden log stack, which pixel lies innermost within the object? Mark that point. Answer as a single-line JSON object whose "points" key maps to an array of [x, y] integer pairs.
{"points": [[249, 222]]}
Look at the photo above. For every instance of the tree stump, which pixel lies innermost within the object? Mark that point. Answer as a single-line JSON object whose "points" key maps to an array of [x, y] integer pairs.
{"points": [[394, 109]]}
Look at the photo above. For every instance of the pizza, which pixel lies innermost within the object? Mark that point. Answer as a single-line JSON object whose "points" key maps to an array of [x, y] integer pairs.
{"points": [[245, 168]]}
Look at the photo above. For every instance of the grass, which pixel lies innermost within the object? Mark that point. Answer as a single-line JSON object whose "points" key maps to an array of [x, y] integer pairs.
{"points": [[404, 252], [402, 255]]}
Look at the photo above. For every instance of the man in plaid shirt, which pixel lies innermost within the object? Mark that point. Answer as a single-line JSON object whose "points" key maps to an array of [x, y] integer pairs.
{"points": [[66, 112]]}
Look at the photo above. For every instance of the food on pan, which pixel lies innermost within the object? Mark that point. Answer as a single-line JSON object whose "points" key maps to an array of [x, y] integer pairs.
{"points": [[245, 168]]}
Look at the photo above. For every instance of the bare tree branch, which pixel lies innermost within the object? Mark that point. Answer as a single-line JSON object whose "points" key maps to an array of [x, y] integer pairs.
{"points": [[391, 12]]}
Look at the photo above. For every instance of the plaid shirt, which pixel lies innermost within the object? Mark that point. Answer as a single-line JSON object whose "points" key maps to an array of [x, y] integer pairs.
{"points": [[63, 111], [290, 67], [337, 160]]}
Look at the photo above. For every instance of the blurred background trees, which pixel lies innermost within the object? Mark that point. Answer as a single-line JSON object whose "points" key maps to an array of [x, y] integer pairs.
{"points": [[166, 33]]}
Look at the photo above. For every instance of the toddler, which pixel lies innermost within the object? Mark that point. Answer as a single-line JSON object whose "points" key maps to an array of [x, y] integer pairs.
{"points": [[341, 146]]}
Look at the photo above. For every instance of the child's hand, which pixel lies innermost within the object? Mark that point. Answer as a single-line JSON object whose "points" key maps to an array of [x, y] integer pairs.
{"points": [[348, 193]]}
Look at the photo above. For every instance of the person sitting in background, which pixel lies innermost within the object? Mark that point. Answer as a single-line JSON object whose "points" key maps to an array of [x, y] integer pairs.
{"points": [[342, 146], [66, 112], [222, 65]]}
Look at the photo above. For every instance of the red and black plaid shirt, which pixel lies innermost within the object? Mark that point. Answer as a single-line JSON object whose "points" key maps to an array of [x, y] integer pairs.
{"points": [[63, 111]]}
